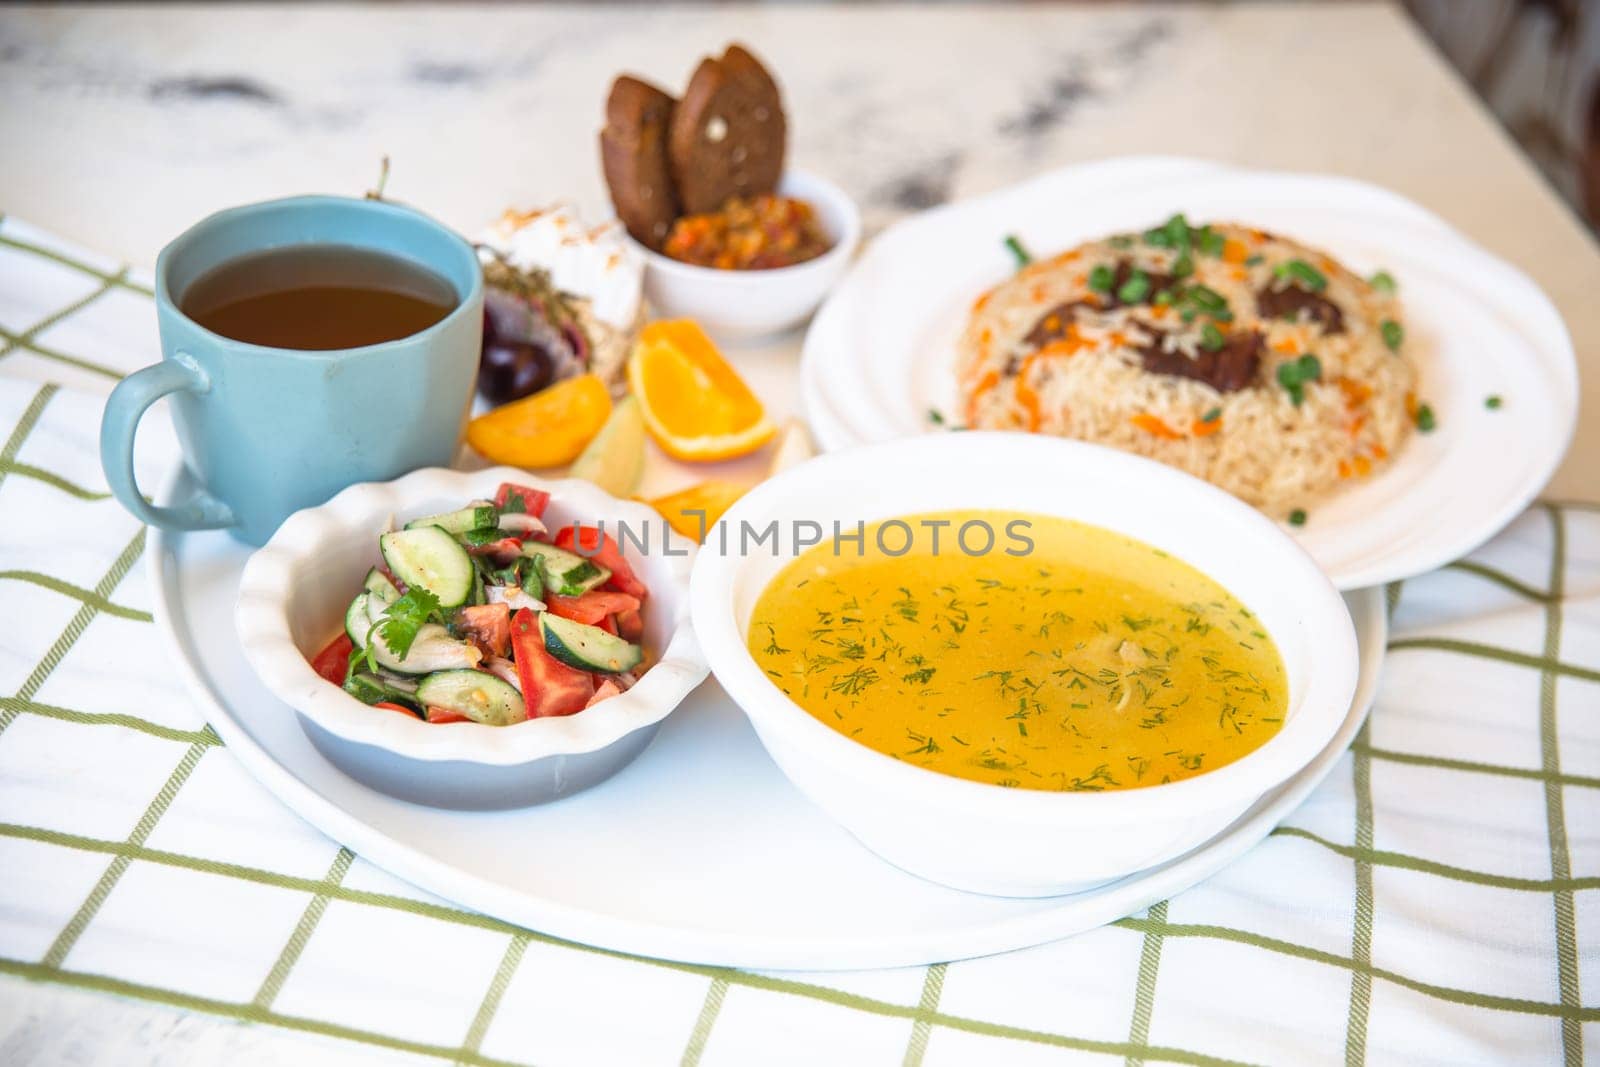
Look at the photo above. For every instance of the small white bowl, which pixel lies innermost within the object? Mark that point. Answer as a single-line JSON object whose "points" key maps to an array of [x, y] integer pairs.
{"points": [[292, 598], [738, 304], [1018, 842]]}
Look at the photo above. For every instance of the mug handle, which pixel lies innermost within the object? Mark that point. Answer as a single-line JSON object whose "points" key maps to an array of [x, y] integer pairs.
{"points": [[124, 408]]}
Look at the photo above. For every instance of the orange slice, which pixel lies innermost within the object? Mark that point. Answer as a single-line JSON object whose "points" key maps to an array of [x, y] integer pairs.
{"points": [[546, 429], [695, 405], [695, 510]]}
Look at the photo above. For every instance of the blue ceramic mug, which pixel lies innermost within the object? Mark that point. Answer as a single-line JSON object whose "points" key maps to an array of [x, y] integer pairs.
{"points": [[269, 431]]}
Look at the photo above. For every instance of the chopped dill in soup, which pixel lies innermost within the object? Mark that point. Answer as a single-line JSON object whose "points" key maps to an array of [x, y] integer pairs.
{"points": [[1092, 662]]}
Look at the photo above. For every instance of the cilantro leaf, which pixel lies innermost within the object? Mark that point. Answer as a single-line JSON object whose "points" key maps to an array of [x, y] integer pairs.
{"points": [[400, 624]]}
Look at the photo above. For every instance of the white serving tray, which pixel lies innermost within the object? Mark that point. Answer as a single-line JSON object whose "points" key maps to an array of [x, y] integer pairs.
{"points": [[700, 851], [881, 352]]}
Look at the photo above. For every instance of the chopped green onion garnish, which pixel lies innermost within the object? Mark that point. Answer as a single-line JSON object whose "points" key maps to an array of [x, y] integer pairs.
{"points": [[1211, 338], [1294, 375], [1383, 281], [936, 416], [1021, 254], [1211, 416], [1183, 266], [1174, 233], [1163, 298], [1493, 403], [1100, 279], [1121, 240], [1136, 288], [1393, 334], [1211, 242], [1425, 420], [1300, 270], [1255, 260], [1297, 517]]}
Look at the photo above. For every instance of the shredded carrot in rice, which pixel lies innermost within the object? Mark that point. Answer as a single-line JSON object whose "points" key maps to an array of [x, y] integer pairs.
{"points": [[1202, 428], [1344, 468], [986, 383], [1152, 425], [1363, 466], [1234, 251], [1355, 392]]}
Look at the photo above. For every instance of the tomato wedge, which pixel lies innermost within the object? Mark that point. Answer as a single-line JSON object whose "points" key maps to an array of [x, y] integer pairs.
{"points": [[630, 625], [589, 542], [549, 687], [401, 708], [591, 607], [333, 662], [605, 689], [445, 715], [533, 500], [486, 625]]}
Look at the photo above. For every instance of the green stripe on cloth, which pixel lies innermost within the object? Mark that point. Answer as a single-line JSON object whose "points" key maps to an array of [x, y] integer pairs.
{"points": [[1448, 994], [119, 277], [1504, 655], [17, 340], [25, 339], [927, 1004], [1365, 854], [1500, 578], [242, 1012], [1555, 800], [493, 996], [87, 596], [273, 983], [119, 864], [473, 919], [39, 474], [710, 1008], [79, 622], [1419, 760], [1144, 996], [24, 427], [11, 707], [1360, 1009]]}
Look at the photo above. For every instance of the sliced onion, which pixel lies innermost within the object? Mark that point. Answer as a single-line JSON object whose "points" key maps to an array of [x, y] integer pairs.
{"points": [[520, 522], [514, 597], [503, 669]]}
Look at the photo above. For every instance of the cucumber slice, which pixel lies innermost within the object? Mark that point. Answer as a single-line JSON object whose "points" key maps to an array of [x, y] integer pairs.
{"points": [[378, 584], [429, 557], [587, 648], [478, 695], [371, 689], [532, 581], [433, 650], [357, 621], [565, 572], [489, 536], [478, 516]]}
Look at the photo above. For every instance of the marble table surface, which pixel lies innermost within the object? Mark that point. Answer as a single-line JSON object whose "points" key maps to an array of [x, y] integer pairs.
{"points": [[123, 125]]}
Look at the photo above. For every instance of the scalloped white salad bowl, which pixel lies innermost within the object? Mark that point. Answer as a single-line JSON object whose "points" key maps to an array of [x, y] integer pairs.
{"points": [[984, 837], [293, 598]]}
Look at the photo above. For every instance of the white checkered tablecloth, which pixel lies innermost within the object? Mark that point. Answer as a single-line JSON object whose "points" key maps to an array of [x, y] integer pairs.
{"points": [[1434, 901]]}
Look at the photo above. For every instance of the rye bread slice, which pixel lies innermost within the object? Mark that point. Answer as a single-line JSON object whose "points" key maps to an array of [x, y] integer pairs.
{"points": [[728, 133], [633, 154]]}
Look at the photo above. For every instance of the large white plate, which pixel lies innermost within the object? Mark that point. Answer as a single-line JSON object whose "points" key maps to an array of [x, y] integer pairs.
{"points": [[880, 354], [699, 851]]}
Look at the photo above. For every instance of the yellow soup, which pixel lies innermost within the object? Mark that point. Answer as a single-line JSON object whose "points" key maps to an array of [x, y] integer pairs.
{"points": [[1089, 661]]}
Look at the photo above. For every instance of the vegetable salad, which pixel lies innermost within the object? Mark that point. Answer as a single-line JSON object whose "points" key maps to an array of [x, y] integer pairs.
{"points": [[482, 615]]}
